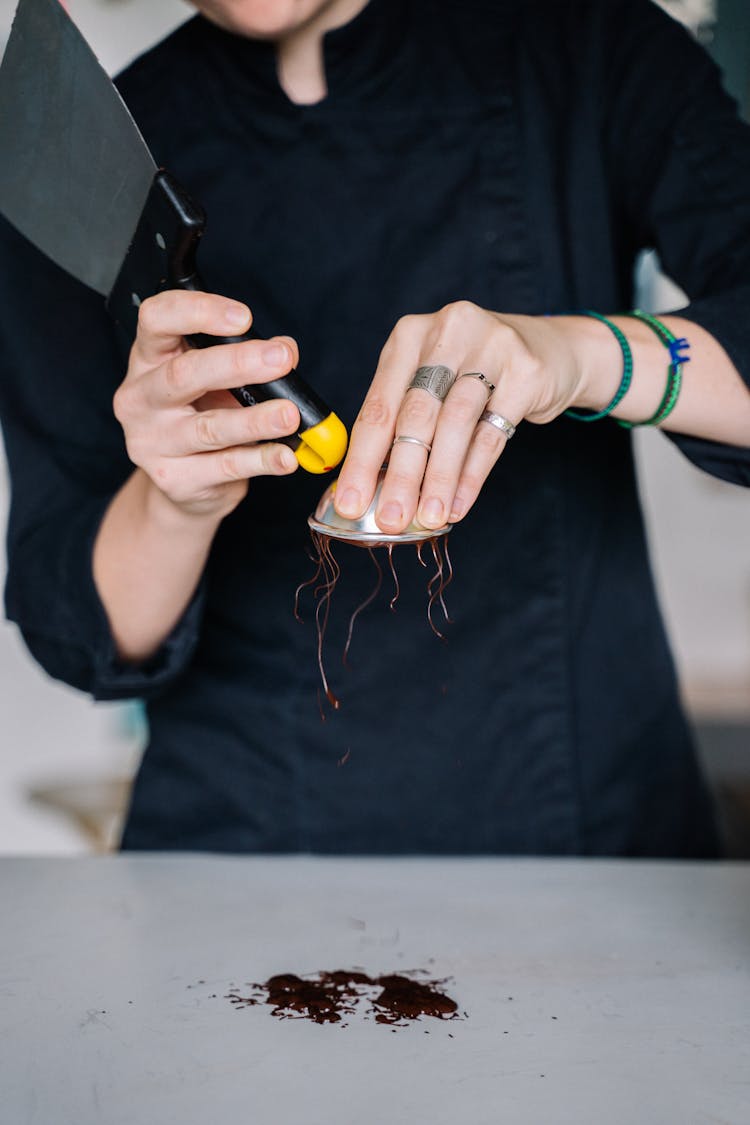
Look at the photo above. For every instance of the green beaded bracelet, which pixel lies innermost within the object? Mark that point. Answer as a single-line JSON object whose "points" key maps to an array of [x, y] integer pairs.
{"points": [[676, 347], [627, 371]]}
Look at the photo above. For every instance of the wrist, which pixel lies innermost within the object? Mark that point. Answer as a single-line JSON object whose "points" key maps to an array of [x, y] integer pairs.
{"points": [[598, 361], [171, 518], [601, 362]]}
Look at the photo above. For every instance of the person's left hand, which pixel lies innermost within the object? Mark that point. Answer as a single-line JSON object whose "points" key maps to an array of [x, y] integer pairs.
{"points": [[536, 372]]}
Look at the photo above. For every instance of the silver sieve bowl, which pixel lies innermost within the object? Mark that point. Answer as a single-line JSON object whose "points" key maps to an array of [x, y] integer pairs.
{"points": [[326, 521]]}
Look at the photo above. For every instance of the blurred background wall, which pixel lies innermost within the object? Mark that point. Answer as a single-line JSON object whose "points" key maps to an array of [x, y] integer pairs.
{"points": [[65, 764]]}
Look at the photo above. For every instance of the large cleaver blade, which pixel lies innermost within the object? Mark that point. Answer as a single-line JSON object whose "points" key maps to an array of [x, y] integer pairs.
{"points": [[77, 179]]}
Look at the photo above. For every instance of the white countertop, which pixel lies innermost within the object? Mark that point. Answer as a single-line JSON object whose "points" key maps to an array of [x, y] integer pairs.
{"points": [[598, 993]]}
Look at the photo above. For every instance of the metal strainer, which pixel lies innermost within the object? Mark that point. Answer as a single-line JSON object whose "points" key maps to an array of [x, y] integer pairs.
{"points": [[326, 521]]}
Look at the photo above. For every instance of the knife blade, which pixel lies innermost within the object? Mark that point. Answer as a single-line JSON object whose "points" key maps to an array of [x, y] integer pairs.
{"points": [[78, 180]]}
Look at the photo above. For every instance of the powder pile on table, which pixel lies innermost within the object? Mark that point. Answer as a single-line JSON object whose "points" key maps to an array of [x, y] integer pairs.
{"points": [[325, 997]]}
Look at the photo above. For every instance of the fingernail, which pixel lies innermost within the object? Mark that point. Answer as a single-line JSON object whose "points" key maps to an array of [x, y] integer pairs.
{"points": [[286, 459], [284, 419], [391, 513], [432, 511], [349, 502], [275, 354], [457, 510], [236, 315]]}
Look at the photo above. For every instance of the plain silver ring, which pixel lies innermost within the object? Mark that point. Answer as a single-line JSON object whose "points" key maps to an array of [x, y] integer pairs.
{"points": [[436, 379], [480, 375], [412, 441], [499, 423]]}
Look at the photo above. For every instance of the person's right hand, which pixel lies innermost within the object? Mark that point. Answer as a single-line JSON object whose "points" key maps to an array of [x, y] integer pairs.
{"points": [[182, 426]]}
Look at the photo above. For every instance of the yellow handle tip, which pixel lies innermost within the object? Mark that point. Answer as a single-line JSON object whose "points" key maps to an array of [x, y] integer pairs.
{"points": [[322, 446]]}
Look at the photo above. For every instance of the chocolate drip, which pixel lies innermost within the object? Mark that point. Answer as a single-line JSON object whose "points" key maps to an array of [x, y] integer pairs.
{"points": [[437, 584], [397, 589], [405, 999], [327, 996], [328, 572], [364, 604]]}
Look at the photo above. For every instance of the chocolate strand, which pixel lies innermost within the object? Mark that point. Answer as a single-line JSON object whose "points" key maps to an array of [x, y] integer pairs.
{"points": [[364, 605], [326, 577], [332, 572], [434, 594], [311, 581], [394, 599], [445, 582]]}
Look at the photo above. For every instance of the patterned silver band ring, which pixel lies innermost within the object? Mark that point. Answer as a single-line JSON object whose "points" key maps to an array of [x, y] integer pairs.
{"points": [[412, 441], [480, 375], [499, 423], [436, 379]]}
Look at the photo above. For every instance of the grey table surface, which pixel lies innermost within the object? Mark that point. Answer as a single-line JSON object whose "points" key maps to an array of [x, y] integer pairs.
{"points": [[597, 992]]}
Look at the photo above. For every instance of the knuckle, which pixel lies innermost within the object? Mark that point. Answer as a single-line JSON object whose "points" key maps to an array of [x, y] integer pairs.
{"points": [[457, 312], [207, 493], [136, 448], [400, 481], [149, 315], [530, 366], [508, 338], [461, 405], [177, 373], [261, 423], [405, 325], [218, 494], [122, 402], [237, 356], [417, 408], [471, 483], [375, 412], [180, 492], [489, 440], [204, 308], [442, 480]]}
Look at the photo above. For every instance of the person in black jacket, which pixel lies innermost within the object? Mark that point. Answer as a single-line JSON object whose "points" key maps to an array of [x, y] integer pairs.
{"points": [[395, 188]]}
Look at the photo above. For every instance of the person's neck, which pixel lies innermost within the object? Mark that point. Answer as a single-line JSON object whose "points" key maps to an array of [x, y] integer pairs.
{"points": [[299, 54]]}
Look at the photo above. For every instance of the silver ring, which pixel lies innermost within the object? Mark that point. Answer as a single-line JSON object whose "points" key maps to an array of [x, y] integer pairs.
{"points": [[437, 380], [412, 441], [499, 423], [489, 387]]}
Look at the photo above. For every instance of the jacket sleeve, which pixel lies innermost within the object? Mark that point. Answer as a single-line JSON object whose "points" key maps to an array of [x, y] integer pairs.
{"points": [[680, 168], [60, 365]]}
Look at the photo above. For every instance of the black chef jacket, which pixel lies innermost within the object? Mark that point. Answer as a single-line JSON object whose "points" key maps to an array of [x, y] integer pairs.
{"points": [[518, 154]]}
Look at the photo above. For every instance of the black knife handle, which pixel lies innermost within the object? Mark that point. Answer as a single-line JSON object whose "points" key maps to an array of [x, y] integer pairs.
{"points": [[162, 255], [312, 409]]}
